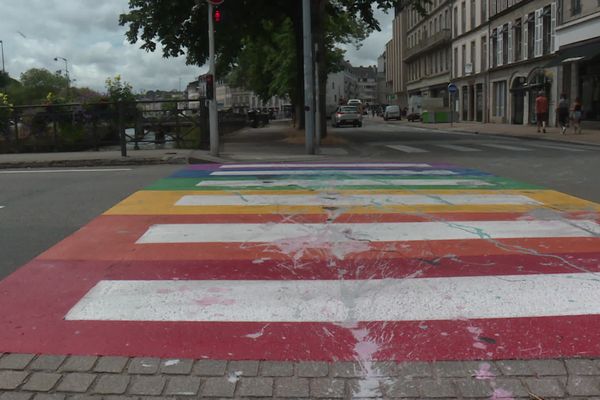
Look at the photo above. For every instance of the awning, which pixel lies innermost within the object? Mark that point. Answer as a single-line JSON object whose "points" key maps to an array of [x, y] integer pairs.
{"points": [[575, 53]]}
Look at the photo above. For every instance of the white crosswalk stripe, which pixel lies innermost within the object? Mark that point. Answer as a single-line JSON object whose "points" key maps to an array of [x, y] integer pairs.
{"points": [[505, 147], [407, 149], [458, 147], [557, 147]]}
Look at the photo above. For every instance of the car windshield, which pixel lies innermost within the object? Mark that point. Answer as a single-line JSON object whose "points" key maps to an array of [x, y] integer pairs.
{"points": [[348, 109]]}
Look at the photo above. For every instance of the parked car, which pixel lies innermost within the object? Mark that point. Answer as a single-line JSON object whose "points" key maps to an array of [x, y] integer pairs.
{"points": [[392, 112], [347, 115], [413, 117], [358, 104]]}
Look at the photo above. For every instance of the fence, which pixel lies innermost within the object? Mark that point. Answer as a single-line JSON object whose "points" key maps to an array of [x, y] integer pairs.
{"points": [[127, 125]]}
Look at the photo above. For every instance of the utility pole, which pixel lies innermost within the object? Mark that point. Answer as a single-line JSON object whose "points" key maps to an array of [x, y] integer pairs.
{"points": [[66, 72], [318, 125], [2, 46], [309, 87], [212, 104]]}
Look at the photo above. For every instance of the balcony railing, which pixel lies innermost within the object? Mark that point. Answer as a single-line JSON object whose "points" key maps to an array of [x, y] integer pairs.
{"points": [[437, 39]]}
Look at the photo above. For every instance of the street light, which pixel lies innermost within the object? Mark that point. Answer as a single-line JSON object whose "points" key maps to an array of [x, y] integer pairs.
{"points": [[2, 46], [66, 71]]}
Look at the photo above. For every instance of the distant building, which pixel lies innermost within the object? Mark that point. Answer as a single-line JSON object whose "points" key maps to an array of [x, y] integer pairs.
{"points": [[367, 83], [578, 45], [341, 86], [383, 91], [395, 67]]}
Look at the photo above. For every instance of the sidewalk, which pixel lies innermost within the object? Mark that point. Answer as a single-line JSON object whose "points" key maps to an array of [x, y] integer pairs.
{"points": [[589, 135]]}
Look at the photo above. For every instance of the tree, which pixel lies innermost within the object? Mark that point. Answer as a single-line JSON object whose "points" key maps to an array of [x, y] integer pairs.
{"points": [[247, 26], [38, 82], [119, 90]]}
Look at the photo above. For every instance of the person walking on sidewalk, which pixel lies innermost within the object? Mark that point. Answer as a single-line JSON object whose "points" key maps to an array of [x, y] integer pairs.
{"points": [[577, 114], [541, 111], [563, 113]]}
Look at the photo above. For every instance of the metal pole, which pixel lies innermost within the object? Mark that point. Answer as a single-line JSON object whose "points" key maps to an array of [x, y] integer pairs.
{"points": [[318, 124], [212, 104], [309, 90], [2, 46]]}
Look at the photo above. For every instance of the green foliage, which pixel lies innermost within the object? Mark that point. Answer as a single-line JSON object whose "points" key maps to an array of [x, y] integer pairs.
{"points": [[5, 112], [36, 83], [119, 90]]}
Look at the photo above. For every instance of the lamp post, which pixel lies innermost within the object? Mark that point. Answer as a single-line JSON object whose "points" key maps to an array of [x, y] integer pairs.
{"points": [[66, 71], [2, 47]]}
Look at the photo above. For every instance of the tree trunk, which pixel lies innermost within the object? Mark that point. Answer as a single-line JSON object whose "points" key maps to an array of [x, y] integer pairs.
{"points": [[319, 38], [298, 101]]}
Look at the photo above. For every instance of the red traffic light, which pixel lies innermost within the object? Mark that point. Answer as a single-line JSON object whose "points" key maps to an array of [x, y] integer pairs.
{"points": [[217, 15]]}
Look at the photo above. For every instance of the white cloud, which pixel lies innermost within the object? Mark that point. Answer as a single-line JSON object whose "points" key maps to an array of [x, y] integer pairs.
{"points": [[87, 33]]}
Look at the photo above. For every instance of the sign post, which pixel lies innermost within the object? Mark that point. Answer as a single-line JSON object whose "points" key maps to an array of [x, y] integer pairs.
{"points": [[452, 88], [213, 115]]}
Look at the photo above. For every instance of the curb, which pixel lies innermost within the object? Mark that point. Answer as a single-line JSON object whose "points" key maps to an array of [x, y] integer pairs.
{"points": [[93, 162], [545, 139]]}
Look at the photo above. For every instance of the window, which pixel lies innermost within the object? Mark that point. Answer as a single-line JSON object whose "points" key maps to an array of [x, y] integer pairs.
{"points": [[455, 21], [484, 10], [463, 17], [483, 53], [472, 61], [576, 7], [547, 30], [446, 24], [494, 48], [499, 98], [473, 23], [464, 59], [518, 36], [531, 35], [455, 61], [505, 44]]}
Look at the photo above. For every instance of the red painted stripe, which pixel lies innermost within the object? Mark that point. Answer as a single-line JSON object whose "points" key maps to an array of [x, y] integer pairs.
{"points": [[113, 238], [30, 323]]}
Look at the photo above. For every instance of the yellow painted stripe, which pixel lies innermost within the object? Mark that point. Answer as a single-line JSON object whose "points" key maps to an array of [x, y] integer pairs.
{"points": [[163, 203]]}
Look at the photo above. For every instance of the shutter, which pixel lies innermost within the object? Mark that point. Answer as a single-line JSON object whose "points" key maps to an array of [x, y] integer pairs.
{"points": [[525, 35], [538, 32], [553, 27], [510, 43], [499, 45]]}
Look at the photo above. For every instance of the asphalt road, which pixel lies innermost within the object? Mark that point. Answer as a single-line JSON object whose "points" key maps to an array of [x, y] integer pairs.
{"points": [[41, 207], [569, 168]]}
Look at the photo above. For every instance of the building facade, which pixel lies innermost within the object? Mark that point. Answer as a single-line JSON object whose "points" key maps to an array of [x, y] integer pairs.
{"points": [[470, 33], [341, 86], [522, 38], [395, 68], [367, 83], [578, 53], [427, 54]]}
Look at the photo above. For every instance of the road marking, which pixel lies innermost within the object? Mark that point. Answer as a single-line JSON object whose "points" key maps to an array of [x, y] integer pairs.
{"points": [[420, 299], [1, 206], [334, 172], [327, 183], [556, 147], [51, 171], [327, 165], [504, 147], [406, 149], [341, 200], [458, 147], [319, 235]]}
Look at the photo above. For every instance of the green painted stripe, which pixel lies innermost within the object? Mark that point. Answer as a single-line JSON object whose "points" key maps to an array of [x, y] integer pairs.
{"points": [[190, 184]]}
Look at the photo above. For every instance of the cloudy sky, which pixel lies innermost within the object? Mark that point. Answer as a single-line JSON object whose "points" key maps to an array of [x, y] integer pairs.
{"points": [[87, 34]]}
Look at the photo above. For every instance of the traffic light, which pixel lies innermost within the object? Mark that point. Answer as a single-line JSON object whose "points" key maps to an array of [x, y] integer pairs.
{"points": [[210, 87], [217, 15]]}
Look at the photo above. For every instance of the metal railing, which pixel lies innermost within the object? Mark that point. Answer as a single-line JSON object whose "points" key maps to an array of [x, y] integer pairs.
{"points": [[92, 126], [437, 39]]}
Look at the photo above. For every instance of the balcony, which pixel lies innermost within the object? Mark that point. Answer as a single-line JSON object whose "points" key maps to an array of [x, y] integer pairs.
{"points": [[436, 40]]}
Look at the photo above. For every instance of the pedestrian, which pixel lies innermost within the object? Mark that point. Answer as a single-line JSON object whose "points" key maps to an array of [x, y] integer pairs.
{"points": [[563, 113], [577, 114], [541, 111]]}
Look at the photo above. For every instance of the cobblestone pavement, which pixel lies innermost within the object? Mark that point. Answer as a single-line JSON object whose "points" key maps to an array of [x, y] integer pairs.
{"points": [[52, 377]]}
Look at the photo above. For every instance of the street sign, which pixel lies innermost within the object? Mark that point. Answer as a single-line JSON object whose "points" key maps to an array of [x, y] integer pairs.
{"points": [[452, 88]]}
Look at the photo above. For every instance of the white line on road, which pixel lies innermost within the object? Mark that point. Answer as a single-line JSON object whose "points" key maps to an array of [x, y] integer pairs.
{"points": [[320, 235], [407, 149], [420, 299], [458, 147], [557, 147], [53, 171], [505, 147], [336, 172], [341, 200], [327, 165], [325, 183]]}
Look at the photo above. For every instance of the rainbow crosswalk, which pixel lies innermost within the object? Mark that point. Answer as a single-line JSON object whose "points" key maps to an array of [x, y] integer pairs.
{"points": [[290, 260]]}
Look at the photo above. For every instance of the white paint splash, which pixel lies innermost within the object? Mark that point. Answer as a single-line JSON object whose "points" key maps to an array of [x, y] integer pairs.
{"points": [[233, 377], [170, 363]]}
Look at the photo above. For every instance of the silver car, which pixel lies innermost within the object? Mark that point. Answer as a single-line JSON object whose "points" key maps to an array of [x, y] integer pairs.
{"points": [[347, 115], [392, 112]]}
